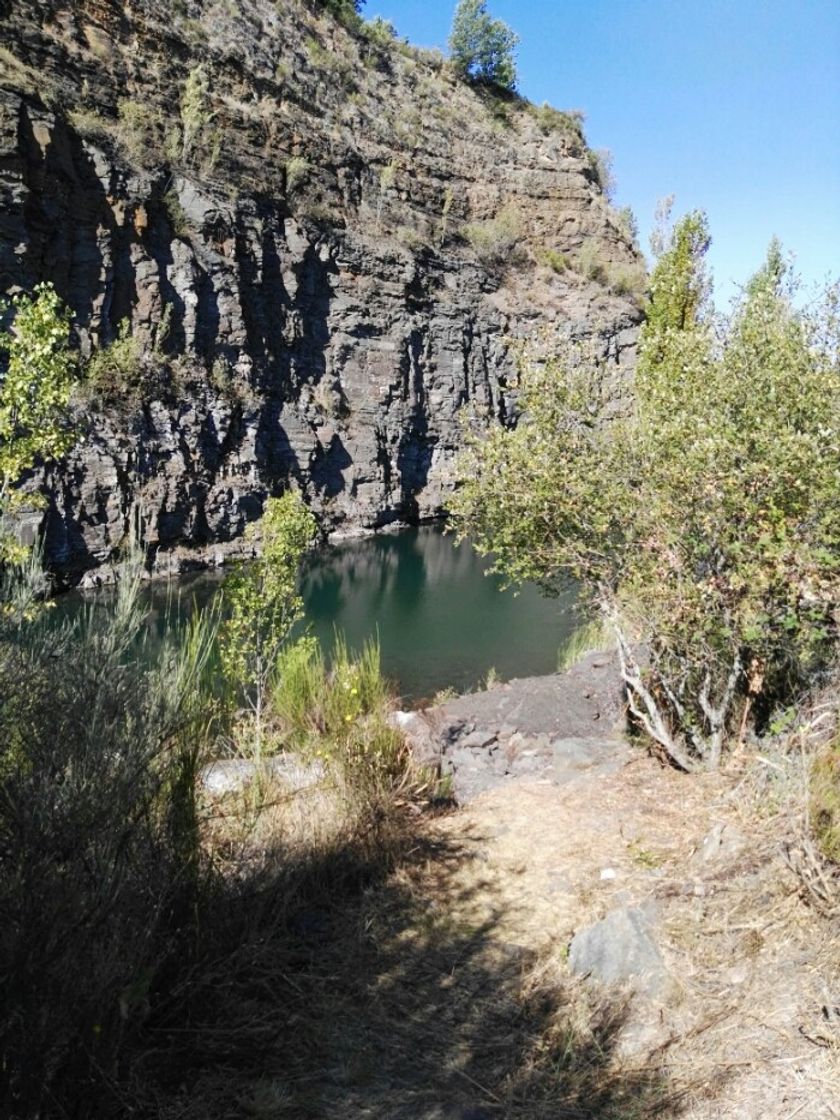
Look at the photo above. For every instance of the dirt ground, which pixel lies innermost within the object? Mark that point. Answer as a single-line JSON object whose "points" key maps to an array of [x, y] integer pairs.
{"points": [[444, 991]]}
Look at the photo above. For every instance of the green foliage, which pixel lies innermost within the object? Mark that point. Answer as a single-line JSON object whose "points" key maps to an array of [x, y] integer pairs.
{"points": [[346, 11], [175, 212], [703, 521], [588, 262], [482, 48], [115, 373], [297, 168], [628, 224], [558, 120], [495, 240], [381, 31], [590, 636], [263, 600], [338, 712], [557, 262], [196, 116], [601, 164], [139, 128], [35, 388]]}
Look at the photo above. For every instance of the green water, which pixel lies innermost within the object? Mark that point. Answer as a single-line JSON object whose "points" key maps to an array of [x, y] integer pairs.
{"points": [[441, 622]]}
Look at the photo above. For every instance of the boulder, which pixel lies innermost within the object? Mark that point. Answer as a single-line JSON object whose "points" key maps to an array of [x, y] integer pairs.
{"points": [[622, 949]]}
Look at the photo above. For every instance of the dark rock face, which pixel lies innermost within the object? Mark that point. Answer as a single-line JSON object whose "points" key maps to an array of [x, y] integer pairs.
{"points": [[289, 257]]}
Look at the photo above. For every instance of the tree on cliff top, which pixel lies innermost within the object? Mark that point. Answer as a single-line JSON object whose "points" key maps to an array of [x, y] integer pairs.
{"points": [[482, 47], [702, 515]]}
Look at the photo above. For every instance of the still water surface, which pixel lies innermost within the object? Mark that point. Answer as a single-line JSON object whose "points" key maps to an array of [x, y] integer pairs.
{"points": [[441, 622]]}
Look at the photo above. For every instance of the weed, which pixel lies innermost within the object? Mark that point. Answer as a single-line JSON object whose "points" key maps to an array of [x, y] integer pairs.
{"points": [[588, 638], [297, 169], [115, 372], [557, 262], [494, 241]]}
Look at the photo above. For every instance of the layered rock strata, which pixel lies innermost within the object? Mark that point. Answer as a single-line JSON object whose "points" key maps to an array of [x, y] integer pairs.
{"points": [[325, 245]]}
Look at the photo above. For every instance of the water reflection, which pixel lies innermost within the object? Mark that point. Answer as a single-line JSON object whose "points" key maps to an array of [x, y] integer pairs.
{"points": [[440, 620]]}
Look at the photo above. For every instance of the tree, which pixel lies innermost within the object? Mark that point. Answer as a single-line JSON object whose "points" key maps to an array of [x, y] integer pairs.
{"points": [[35, 391], [263, 600], [482, 47], [701, 514]]}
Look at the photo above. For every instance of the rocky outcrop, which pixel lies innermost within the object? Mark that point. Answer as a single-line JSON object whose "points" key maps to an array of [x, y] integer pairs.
{"points": [[553, 729], [325, 244]]}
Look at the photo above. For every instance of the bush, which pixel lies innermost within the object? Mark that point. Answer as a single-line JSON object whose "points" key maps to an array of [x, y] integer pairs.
{"points": [[263, 602], [115, 372], [557, 262], [297, 168], [482, 47], [703, 521], [339, 712], [601, 165], [101, 869], [557, 120], [495, 239]]}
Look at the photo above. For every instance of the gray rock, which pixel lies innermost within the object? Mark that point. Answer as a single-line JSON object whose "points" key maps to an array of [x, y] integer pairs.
{"points": [[572, 757], [230, 775], [478, 740], [722, 845], [621, 949]]}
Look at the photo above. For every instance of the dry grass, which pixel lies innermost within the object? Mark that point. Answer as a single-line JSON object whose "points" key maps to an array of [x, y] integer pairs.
{"points": [[401, 994]]}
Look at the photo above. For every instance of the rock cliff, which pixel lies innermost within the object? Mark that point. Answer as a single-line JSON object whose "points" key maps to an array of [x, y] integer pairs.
{"points": [[325, 244]]}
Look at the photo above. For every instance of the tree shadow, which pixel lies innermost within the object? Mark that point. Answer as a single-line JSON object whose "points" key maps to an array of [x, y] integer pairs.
{"points": [[396, 995]]}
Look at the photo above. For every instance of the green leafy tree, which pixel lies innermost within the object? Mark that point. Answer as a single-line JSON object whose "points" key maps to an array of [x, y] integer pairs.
{"points": [[35, 391], [701, 513], [263, 600], [482, 47]]}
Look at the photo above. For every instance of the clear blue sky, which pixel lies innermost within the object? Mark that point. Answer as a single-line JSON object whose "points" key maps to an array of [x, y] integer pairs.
{"points": [[731, 105]]}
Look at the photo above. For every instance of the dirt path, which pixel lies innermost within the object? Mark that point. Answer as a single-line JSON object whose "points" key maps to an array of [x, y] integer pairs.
{"points": [[446, 992]]}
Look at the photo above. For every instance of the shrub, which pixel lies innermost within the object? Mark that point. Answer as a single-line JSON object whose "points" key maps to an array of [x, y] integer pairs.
{"points": [[628, 224], [381, 31], [495, 239], [297, 169], [196, 116], [115, 372], [176, 213], [557, 120], [589, 264], [263, 602], [601, 165], [482, 47], [338, 712], [703, 521], [101, 870], [91, 125], [557, 262], [138, 131]]}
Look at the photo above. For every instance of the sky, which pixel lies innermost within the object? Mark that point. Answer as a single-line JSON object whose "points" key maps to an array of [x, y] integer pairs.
{"points": [[733, 106]]}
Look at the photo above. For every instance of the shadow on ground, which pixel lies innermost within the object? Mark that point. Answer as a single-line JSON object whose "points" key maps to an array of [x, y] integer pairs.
{"points": [[401, 1000]]}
